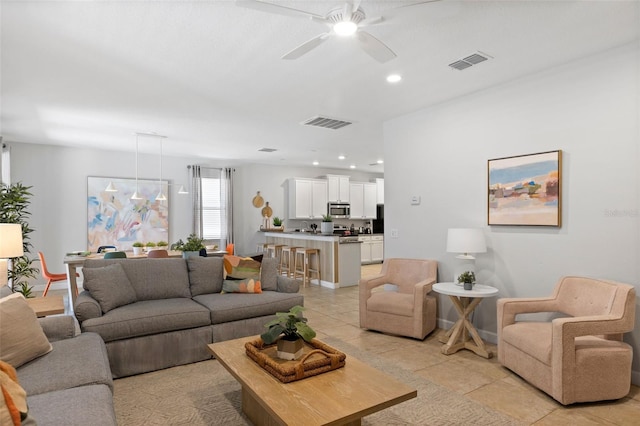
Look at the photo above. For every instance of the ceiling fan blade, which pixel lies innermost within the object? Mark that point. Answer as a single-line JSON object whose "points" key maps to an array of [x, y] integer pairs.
{"points": [[264, 6], [374, 47], [307, 46]]}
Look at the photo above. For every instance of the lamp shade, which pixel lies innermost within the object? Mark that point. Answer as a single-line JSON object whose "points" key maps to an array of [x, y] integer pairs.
{"points": [[10, 240], [466, 240]]}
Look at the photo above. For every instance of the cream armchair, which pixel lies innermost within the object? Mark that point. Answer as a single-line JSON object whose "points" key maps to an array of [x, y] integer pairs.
{"points": [[409, 311], [577, 358]]}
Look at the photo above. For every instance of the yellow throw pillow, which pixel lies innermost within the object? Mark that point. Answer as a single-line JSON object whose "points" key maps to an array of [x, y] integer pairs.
{"points": [[13, 399], [21, 336], [241, 286]]}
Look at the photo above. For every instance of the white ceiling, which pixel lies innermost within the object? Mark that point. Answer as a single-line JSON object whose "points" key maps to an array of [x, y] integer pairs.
{"points": [[208, 74]]}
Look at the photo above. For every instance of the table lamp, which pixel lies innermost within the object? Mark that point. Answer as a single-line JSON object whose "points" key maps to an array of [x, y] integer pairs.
{"points": [[465, 241], [10, 247]]}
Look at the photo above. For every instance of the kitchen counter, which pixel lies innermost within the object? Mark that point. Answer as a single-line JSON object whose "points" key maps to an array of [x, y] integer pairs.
{"points": [[339, 263]]}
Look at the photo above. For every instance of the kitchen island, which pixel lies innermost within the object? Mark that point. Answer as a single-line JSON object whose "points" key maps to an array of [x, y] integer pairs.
{"points": [[339, 263]]}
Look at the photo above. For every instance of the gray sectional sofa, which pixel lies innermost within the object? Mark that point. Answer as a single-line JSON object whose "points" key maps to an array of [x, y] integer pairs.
{"points": [[159, 313], [72, 384]]}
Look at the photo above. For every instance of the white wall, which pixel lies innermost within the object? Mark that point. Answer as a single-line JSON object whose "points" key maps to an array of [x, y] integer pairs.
{"points": [[58, 176], [590, 110]]}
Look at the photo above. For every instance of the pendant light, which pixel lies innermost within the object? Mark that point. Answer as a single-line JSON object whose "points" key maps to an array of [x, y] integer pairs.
{"points": [[135, 195], [161, 196], [111, 187]]}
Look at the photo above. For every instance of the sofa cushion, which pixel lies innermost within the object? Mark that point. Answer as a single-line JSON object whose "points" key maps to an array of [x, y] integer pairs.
{"points": [[205, 275], [85, 405], [533, 338], [152, 279], [391, 302], [74, 362], [21, 336], [269, 274], [110, 286], [148, 317], [236, 267], [248, 285], [233, 306]]}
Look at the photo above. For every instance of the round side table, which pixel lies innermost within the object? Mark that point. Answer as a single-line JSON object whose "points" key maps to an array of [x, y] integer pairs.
{"points": [[465, 301]]}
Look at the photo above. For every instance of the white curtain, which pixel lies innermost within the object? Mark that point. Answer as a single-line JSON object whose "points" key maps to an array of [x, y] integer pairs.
{"points": [[5, 164]]}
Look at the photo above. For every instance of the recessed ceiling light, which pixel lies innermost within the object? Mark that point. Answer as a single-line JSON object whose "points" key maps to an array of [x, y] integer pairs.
{"points": [[315, 163], [394, 78], [379, 161], [341, 157], [353, 166]]}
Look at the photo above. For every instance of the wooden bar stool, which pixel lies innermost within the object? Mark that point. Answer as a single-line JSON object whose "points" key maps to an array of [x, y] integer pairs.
{"points": [[287, 260], [304, 264], [273, 250], [262, 247]]}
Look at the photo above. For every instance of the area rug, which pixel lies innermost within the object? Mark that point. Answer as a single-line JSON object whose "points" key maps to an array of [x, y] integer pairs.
{"points": [[204, 393]]}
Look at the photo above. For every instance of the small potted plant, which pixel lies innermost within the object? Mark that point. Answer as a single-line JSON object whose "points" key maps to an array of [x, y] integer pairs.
{"points": [[295, 329], [277, 222], [192, 247], [150, 246], [137, 248], [468, 278], [326, 227], [162, 245]]}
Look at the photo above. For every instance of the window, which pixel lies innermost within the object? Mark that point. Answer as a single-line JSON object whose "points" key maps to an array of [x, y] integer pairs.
{"points": [[212, 203], [212, 208]]}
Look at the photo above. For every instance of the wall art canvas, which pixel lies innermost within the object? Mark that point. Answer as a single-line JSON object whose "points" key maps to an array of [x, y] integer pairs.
{"points": [[113, 219], [526, 190]]}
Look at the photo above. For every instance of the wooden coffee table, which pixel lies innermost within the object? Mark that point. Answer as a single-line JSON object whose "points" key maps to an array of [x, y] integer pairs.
{"points": [[43, 306], [338, 397]]}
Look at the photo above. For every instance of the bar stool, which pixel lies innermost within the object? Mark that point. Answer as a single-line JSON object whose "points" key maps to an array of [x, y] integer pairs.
{"points": [[303, 264], [273, 250], [287, 260], [262, 247]]}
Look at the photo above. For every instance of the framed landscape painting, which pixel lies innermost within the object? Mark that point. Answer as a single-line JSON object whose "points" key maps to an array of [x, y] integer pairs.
{"points": [[113, 219], [526, 190]]}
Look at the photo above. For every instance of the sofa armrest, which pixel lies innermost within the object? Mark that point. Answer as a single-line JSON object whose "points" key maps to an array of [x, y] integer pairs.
{"points": [[86, 307], [58, 327], [288, 285]]}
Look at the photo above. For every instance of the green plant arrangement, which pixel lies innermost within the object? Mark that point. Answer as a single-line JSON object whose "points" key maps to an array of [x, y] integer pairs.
{"points": [[137, 244], [162, 244], [292, 324], [327, 218], [468, 278], [150, 244], [193, 243], [14, 204], [277, 221]]}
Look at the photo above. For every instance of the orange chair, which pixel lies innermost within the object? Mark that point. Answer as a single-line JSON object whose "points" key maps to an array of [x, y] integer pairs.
{"points": [[229, 248], [49, 276], [158, 254]]}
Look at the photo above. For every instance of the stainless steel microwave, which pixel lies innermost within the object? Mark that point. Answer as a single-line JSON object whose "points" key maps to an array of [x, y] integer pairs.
{"points": [[339, 210]]}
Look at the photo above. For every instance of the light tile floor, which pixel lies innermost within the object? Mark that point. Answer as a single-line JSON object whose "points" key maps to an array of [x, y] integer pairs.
{"points": [[335, 313]]}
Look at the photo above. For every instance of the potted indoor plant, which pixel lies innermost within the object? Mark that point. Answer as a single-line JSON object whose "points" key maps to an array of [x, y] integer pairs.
{"points": [[137, 248], [295, 329], [326, 227], [162, 245], [192, 247], [277, 222], [150, 245], [468, 278]]}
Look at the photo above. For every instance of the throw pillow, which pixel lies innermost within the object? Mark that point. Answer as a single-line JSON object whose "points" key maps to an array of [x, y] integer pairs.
{"points": [[205, 275], [239, 268], [21, 336], [110, 286], [13, 398], [241, 286], [269, 274]]}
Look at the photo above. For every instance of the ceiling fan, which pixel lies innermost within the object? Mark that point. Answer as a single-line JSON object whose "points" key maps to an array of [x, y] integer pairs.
{"points": [[347, 20]]}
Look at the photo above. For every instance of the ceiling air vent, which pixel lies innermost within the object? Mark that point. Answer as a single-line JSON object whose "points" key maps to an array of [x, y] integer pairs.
{"points": [[326, 122], [469, 61], [267, 150]]}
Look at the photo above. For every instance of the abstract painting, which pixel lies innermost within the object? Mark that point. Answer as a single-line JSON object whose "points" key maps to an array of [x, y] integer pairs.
{"points": [[526, 190], [113, 219]]}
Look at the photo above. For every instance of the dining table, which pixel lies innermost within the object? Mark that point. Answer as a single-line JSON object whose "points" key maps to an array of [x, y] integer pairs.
{"points": [[76, 260]]}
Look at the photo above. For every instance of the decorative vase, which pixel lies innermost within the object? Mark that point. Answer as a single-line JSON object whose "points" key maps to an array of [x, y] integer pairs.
{"points": [[188, 254], [326, 228], [468, 286], [290, 349]]}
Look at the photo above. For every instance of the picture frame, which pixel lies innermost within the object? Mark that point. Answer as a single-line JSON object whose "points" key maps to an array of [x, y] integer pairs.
{"points": [[525, 190], [114, 219]]}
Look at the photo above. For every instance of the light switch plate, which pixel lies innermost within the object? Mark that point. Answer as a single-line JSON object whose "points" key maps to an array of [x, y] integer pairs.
{"points": [[415, 200], [394, 233]]}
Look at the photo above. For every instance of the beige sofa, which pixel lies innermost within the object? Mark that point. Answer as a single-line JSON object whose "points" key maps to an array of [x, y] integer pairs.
{"points": [[579, 357], [169, 310]]}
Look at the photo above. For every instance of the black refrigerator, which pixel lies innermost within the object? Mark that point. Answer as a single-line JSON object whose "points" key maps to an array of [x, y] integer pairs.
{"points": [[378, 222]]}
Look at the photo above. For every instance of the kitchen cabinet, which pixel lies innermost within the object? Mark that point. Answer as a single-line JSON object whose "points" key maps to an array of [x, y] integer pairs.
{"points": [[363, 200], [372, 250], [338, 188], [380, 190], [307, 198]]}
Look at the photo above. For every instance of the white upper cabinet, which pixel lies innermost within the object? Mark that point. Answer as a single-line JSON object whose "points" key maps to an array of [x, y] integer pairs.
{"points": [[363, 200], [338, 188], [307, 198], [380, 190]]}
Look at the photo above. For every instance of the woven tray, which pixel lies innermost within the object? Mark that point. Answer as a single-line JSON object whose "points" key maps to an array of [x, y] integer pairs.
{"points": [[317, 358]]}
